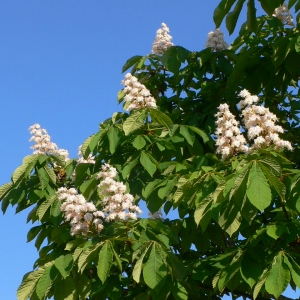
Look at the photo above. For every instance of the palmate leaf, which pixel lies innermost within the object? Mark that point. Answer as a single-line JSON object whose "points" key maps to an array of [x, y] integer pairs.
{"points": [[50, 173], [105, 261], [29, 282], [85, 256], [159, 117], [258, 191], [44, 206], [64, 264], [147, 163], [45, 281], [130, 164], [134, 121], [5, 188], [275, 182], [278, 277], [65, 289], [155, 269], [113, 135], [130, 62], [222, 10], [251, 270], [233, 16], [251, 16], [136, 274], [294, 269], [190, 138]]}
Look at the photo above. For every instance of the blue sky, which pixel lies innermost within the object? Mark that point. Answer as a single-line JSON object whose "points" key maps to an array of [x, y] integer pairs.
{"points": [[60, 66]]}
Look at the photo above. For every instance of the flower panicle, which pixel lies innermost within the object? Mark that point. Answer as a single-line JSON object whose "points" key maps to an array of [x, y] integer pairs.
{"points": [[43, 144], [162, 40], [215, 40], [85, 218], [230, 140], [284, 15], [137, 95]]}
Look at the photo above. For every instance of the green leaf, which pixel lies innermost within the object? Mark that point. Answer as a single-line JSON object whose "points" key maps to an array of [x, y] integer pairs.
{"points": [[139, 142], [117, 258], [251, 270], [89, 187], [29, 282], [64, 264], [60, 160], [50, 173], [127, 168], [258, 190], [159, 117], [134, 122], [294, 269], [179, 292], [105, 261], [222, 10], [278, 277], [186, 134], [166, 190], [65, 289], [44, 206], [147, 163], [291, 3], [85, 256], [155, 270], [33, 232], [275, 182], [279, 48], [136, 273], [44, 177], [4, 189], [170, 60], [19, 173], [260, 284], [297, 44], [233, 16], [273, 165], [206, 138], [130, 62], [203, 208], [251, 16], [113, 135], [55, 212], [45, 281]]}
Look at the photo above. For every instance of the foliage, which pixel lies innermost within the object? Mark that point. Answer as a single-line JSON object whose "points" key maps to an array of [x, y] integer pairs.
{"points": [[238, 225]]}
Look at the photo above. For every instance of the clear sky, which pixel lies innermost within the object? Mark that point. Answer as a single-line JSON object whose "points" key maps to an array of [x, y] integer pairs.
{"points": [[60, 66]]}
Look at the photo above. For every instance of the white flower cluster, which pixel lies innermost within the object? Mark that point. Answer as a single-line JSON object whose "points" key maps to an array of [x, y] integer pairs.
{"points": [[136, 93], [215, 40], [162, 40], [90, 159], [82, 215], [43, 144], [284, 15], [230, 141], [260, 124], [117, 205]]}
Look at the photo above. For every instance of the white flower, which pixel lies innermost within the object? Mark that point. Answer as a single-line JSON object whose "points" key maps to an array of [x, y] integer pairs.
{"points": [[229, 140], [215, 40], [43, 144], [284, 15], [116, 204], [162, 40], [138, 96], [260, 124], [81, 214]]}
